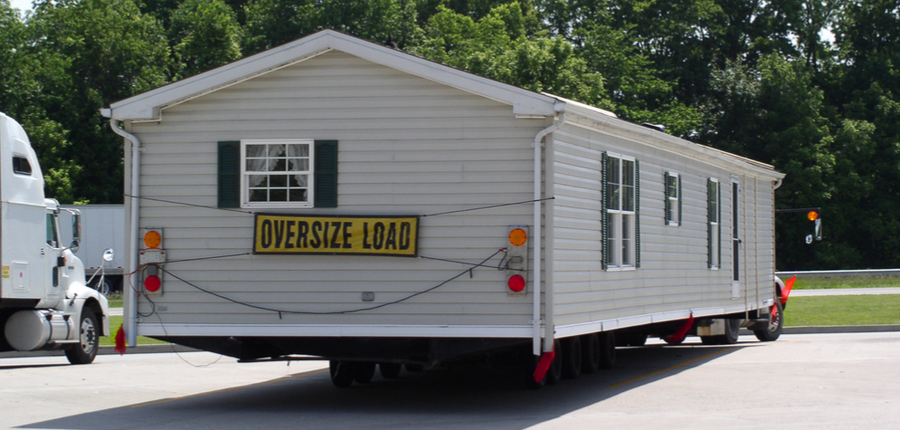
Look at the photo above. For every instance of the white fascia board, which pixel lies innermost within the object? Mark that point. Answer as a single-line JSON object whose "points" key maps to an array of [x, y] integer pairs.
{"points": [[639, 320], [600, 120], [148, 106], [335, 330]]}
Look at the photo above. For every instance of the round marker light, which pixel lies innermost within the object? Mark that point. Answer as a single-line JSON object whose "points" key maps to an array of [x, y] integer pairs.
{"points": [[518, 237], [152, 283], [152, 239], [812, 215], [516, 283]]}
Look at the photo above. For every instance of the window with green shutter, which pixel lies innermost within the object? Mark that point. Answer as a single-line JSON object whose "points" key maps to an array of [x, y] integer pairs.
{"points": [[672, 184], [278, 173]]}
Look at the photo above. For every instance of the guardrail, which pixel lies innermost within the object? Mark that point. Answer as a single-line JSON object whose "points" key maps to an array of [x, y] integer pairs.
{"points": [[866, 272]]}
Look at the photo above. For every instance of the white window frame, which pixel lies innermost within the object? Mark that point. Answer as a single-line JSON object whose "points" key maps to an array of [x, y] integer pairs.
{"points": [[245, 175], [715, 226], [673, 216], [620, 256]]}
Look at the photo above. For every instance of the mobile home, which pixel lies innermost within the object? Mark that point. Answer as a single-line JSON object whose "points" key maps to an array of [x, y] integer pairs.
{"points": [[338, 198]]}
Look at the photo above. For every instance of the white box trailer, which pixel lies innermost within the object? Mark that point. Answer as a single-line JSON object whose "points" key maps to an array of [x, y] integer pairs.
{"points": [[338, 198], [102, 228]]}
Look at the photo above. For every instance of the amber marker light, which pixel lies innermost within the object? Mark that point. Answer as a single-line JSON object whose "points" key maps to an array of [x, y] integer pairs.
{"points": [[152, 239], [812, 215], [518, 237]]}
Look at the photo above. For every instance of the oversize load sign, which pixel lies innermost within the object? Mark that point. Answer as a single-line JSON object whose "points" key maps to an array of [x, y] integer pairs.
{"points": [[294, 234]]}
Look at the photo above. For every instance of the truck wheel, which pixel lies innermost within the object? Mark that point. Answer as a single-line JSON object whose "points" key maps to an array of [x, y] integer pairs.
{"points": [[571, 365], [341, 373], [390, 370], [607, 349], [775, 327], [89, 339], [732, 331], [363, 372], [590, 353]]}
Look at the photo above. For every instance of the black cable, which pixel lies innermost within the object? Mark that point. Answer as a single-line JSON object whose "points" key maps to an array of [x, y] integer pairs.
{"points": [[280, 311], [488, 207], [188, 204]]}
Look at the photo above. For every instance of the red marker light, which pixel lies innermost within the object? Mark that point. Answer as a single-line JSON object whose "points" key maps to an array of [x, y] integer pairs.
{"points": [[516, 283], [152, 283]]}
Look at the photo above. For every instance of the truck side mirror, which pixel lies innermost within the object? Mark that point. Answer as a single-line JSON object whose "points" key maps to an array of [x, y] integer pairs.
{"points": [[108, 255], [76, 230]]}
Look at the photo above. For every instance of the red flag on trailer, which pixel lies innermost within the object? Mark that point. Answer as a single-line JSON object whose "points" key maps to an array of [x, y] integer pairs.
{"points": [[541, 369], [120, 340], [682, 331], [788, 285]]}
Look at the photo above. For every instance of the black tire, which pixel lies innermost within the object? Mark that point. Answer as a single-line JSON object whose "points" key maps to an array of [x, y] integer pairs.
{"points": [[632, 339], [607, 349], [363, 372], [776, 326], [732, 332], [571, 365], [341, 373], [590, 353], [554, 373], [390, 370], [89, 339]]}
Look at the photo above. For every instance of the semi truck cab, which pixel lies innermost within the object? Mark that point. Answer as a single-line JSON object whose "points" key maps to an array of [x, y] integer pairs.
{"points": [[44, 302]]}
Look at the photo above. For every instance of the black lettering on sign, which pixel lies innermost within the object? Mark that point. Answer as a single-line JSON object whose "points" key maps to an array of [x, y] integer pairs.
{"points": [[335, 233], [378, 236], [288, 240], [279, 233], [316, 242], [366, 244], [405, 239], [347, 235], [325, 235], [391, 241], [302, 233], [266, 234]]}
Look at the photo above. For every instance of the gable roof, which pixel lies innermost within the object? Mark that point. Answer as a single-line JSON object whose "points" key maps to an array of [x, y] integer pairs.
{"points": [[149, 106]]}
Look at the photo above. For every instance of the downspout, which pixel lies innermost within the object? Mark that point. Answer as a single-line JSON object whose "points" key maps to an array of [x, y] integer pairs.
{"points": [[537, 254], [131, 293]]}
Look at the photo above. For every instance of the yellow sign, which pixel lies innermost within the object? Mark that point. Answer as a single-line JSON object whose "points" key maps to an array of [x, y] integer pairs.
{"points": [[294, 234], [5, 272]]}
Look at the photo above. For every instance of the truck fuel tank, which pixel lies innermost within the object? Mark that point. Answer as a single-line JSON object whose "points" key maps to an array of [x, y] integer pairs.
{"points": [[31, 330]]}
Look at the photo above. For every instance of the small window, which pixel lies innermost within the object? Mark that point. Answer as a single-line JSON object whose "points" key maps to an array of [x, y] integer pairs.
{"points": [[621, 206], [673, 198], [714, 199], [21, 166], [277, 173]]}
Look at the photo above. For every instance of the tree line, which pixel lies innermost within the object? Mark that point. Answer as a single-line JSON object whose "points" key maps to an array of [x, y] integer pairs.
{"points": [[809, 86]]}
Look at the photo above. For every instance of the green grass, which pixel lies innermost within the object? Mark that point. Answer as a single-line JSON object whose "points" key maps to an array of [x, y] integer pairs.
{"points": [[842, 310], [115, 322], [828, 282]]}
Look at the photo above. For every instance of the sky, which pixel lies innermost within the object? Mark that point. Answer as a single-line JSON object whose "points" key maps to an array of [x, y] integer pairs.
{"points": [[22, 5]]}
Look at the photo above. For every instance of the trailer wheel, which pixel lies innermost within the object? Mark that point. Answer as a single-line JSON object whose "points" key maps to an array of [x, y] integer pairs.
{"points": [[775, 327], [554, 373], [732, 331], [571, 365], [341, 373], [390, 370], [590, 353], [89, 339], [607, 349], [363, 372]]}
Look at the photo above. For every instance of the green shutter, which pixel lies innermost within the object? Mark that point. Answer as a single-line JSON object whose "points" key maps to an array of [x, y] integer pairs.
{"points": [[604, 215], [326, 171], [668, 204], [680, 199], [637, 214], [709, 218], [230, 174]]}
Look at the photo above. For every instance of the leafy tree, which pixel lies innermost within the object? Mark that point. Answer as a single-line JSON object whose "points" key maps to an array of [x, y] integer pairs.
{"points": [[205, 34], [90, 53]]}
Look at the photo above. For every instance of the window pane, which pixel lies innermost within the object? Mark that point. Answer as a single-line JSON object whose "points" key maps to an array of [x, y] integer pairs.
{"points": [[277, 195], [278, 165], [258, 195], [612, 196], [627, 239], [298, 165], [628, 198], [277, 150], [256, 181], [278, 181], [299, 181], [611, 244], [628, 172], [298, 151], [298, 195]]}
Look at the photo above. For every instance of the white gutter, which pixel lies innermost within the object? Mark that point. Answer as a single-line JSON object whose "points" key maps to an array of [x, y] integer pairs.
{"points": [[131, 270], [536, 255]]}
